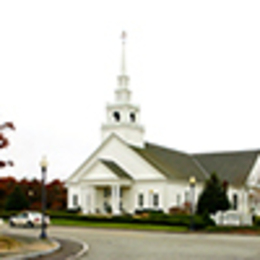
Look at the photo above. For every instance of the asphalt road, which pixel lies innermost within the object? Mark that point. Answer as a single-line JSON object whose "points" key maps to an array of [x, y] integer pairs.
{"points": [[124, 245]]}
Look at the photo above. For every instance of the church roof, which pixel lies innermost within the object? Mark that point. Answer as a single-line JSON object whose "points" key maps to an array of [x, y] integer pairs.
{"points": [[116, 169], [234, 167], [173, 164]]}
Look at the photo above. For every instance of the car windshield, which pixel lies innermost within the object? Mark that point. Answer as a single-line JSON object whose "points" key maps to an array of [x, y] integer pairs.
{"points": [[22, 215]]}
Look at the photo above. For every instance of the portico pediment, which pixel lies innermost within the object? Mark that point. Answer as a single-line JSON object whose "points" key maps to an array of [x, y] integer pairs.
{"points": [[99, 172], [116, 159]]}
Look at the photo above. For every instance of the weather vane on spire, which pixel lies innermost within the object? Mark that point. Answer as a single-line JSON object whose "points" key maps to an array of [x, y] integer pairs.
{"points": [[123, 36]]}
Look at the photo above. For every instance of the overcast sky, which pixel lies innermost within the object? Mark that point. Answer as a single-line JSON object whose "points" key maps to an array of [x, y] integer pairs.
{"points": [[194, 69]]}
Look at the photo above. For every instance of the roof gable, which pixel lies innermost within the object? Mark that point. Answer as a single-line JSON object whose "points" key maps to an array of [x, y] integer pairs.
{"points": [[92, 158], [99, 172]]}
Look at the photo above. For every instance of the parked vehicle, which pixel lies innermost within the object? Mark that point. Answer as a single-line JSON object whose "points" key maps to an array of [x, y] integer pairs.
{"points": [[28, 219]]}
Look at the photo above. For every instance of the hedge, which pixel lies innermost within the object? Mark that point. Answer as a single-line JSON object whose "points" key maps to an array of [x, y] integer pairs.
{"points": [[200, 222], [157, 218]]}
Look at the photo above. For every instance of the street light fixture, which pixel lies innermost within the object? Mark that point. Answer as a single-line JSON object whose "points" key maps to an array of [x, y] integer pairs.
{"points": [[44, 165], [192, 182]]}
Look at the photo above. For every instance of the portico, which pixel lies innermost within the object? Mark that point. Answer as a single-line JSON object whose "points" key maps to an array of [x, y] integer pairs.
{"points": [[105, 197]]}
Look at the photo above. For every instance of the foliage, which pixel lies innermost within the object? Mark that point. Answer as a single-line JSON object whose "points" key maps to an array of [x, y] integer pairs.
{"points": [[17, 200], [4, 142], [153, 219], [7, 185], [131, 226], [213, 197], [148, 211], [256, 221], [56, 193]]}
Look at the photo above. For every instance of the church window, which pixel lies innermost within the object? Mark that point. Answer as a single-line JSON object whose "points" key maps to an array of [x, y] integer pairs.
{"points": [[106, 192], [178, 200], [156, 200], [235, 201], [75, 200], [121, 206], [116, 116], [132, 117], [141, 200], [187, 196]]}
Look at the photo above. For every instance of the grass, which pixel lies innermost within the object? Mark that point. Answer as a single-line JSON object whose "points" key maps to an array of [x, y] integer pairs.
{"points": [[129, 226], [8, 243]]}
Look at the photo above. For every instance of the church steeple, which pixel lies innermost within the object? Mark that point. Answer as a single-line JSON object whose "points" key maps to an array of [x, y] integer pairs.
{"points": [[123, 116], [122, 93], [123, 61]]}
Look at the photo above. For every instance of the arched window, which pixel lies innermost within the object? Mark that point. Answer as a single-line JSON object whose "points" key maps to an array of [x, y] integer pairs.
{"points": [[132, 117], [116, 116]]}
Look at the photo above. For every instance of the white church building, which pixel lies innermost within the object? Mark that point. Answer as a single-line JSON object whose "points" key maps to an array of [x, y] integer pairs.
{"points": [[125, 173]]}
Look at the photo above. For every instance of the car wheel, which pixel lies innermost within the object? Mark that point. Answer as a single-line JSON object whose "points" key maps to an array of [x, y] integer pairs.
{"points": [[11, 223], [30, 224]]}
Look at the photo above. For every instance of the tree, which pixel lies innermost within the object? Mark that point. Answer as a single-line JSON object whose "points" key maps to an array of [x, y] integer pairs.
{"points": [[17, 200], [213, 197], [4, 142], [7, 185], [56, 195]]}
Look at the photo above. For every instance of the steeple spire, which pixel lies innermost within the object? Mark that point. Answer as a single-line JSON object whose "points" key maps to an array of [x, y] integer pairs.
{"points": [[123, 79], [123, 62]]}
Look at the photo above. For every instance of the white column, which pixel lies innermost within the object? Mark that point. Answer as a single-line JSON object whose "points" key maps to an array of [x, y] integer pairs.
{"points": [[92, 199], [115, 199], [87, 200], [245, 201]]}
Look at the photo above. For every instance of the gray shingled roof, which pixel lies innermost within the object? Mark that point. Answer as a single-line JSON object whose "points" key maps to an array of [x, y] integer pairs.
{"points": [[233, 167], [173, 164], [122, 174]]}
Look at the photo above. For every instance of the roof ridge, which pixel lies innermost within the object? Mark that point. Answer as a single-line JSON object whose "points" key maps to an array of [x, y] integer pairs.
{"points": [[166, 148], [257, 151]]}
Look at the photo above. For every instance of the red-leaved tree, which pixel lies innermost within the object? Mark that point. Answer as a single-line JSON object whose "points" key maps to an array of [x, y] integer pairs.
{"points": [[4, 142]]}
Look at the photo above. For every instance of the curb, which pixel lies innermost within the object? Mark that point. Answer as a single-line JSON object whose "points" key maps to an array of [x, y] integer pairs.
{"points": [[84, 250], [35, 254]]}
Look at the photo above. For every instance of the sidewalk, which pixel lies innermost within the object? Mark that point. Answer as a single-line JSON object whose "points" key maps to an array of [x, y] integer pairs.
{"points": [[68, 250], [55, 249]]}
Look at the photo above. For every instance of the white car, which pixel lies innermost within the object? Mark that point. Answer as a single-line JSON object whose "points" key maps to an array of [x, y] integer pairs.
{"points": [[28, 219]]}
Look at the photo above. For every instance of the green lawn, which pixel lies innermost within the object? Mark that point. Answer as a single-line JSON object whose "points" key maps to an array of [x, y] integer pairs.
{"points": [[130, 226]]}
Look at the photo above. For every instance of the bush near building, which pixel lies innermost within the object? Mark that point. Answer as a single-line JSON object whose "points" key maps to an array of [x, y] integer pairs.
{"points": [[213, 197], [152, 218]]}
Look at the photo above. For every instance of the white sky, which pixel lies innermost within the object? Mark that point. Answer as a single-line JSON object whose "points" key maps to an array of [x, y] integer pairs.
{"points": [[194, 69]]}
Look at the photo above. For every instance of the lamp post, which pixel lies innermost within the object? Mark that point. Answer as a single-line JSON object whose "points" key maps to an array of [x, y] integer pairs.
{"points": [[192, 182], [44, 165]]}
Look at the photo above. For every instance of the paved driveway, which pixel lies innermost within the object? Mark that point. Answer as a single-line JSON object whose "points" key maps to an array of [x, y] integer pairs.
{"points": [[124, 245]]}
